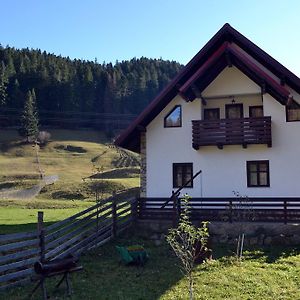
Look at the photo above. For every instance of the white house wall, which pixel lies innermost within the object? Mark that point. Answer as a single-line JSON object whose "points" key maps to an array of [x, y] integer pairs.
{"points": [[223, 171]]}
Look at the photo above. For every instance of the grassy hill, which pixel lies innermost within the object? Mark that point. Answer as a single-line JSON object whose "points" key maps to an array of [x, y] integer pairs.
{"points": [[84, 161]]}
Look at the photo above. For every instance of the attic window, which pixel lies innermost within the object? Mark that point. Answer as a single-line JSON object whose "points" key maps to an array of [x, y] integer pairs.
{"points": [[293, 112], [173, 118]]}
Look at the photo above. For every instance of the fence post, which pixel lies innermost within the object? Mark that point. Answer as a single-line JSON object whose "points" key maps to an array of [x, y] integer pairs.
{"points": [[285, 210], [114, 216], [133, 208], [41, 233], [230, 210]]}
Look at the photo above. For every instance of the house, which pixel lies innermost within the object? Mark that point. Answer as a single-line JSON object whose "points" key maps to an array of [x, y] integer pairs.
{"points": [[233, 112]]}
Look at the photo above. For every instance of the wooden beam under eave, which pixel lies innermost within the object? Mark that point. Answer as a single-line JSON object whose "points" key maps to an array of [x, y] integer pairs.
{"points": [[228, 59]]}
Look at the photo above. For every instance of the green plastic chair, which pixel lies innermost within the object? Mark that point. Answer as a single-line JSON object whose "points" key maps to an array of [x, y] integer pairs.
{"points": [[133, 254]]}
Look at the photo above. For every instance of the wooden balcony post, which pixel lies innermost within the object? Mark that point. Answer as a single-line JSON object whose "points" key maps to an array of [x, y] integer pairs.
{"points": [[285, 211], [230, 210]]}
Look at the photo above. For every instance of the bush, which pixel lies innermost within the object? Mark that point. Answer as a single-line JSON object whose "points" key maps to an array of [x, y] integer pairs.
{"points": [[44, 137]]}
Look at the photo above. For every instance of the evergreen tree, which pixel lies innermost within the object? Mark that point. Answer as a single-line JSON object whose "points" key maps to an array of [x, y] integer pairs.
{"points": [[3, 84], [29, 119]]}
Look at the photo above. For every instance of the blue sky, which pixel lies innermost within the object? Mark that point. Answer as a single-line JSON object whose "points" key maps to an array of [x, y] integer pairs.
{"points": [[113, 30]]}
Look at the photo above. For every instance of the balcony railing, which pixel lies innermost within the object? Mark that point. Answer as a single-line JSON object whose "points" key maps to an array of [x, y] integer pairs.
{"points": [[244, 131]]}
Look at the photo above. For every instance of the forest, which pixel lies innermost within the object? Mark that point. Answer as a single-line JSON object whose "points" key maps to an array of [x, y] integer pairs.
{"points": [[74, 86]]}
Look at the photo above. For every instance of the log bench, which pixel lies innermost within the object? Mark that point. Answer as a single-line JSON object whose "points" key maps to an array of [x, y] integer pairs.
{"points": [[52, 268]]}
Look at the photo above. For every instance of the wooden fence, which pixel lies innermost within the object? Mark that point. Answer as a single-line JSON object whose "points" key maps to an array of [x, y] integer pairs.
{"points": [[285, 210], [76, 234]]}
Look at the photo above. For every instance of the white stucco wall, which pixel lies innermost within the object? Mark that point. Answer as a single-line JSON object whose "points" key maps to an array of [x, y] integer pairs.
{"points": [[223, 171]]}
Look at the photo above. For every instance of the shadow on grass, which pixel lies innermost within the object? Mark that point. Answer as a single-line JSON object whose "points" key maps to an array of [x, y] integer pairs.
{"points": [[267, 254], [16, 228], [105, 277]]}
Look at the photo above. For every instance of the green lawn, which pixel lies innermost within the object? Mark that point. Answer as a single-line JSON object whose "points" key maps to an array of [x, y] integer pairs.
{"points": [[269, 273]]}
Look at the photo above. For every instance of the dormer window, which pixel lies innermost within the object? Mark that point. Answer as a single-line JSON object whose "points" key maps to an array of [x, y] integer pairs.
{"points": [[173, 118], [293, 112]]}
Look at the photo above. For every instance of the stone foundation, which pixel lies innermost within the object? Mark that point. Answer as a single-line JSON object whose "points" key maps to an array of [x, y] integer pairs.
{"points": [[258, 234]]}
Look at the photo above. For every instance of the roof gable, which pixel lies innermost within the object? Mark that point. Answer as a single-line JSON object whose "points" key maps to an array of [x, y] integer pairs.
{"points": [[218, 53]]}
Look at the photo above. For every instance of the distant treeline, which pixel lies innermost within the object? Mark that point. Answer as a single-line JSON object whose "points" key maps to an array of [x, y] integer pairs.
{"points": [[65, 85]]}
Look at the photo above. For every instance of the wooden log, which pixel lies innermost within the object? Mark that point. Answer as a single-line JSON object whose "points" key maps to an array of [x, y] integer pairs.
{"points": [[114, 219], [59, 233], [18, 264], [65, 221], [19, 255], [55, 265], [84, 242], [18, 245], [16, 275], [5, 238]]}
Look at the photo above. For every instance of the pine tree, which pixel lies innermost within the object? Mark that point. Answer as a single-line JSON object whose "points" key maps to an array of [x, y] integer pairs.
{"points": [[3, 84], [29, 119]]}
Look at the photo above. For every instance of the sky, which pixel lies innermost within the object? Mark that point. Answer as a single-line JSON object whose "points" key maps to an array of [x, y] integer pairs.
{"points": [[110, 30]]}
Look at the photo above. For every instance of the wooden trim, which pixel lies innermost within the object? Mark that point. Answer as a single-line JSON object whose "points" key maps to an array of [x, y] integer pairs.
{"points": [[294, 105], [211, 109], [257, 163], [240, 105], [251, 108], [174, 173], [172, 110]]}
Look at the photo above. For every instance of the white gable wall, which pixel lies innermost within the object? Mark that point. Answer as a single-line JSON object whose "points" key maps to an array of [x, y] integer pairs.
{"points": [[223, 171]]}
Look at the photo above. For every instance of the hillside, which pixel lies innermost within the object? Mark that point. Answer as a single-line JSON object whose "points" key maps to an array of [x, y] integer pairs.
{"points": [[83, 160], [78, 87]]}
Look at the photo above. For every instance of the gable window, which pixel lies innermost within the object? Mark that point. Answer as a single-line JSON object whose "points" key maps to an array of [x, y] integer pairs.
{"points": [[293, 112], [173, 118], [256, 111], [211, 114], [258, 173], [182, 173]]}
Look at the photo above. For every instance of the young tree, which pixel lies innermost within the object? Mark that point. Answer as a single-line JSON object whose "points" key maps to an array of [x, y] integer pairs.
{"points": [[184, 240], [29, 119]]}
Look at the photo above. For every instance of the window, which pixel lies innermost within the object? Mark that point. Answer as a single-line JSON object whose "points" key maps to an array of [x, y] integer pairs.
{"points": [[211, 114], [173, 118], [256, 111], [182, 173], [293, 112], [258, 173], [234, 111]]}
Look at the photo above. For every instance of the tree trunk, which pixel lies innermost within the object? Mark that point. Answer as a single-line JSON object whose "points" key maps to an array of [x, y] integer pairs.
{"points": [[191, 287]]}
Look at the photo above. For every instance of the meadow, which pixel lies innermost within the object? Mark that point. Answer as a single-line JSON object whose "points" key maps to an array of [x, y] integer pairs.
{"points": [[85, 162]]}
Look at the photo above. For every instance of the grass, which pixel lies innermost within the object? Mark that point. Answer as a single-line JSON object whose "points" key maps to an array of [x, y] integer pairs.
{"points": [[264, 273], [75, 156]]}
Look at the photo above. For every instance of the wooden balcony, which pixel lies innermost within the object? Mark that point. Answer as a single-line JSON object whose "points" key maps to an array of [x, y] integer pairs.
{"points": [[244, 131]]}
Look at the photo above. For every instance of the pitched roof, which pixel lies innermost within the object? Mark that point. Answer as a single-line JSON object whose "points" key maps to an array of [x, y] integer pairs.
{"points": [[218, 53]]}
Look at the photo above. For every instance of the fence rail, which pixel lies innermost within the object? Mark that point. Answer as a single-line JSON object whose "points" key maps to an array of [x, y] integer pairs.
{"points": [[285, 210], [74, 235]]}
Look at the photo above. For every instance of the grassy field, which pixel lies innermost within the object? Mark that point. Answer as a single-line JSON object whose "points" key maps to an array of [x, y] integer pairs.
{"points": [[84, 162], [265, 273]]}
